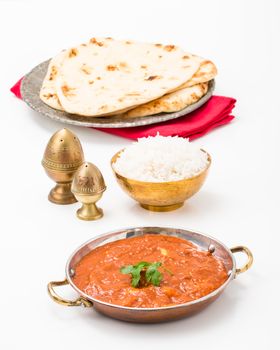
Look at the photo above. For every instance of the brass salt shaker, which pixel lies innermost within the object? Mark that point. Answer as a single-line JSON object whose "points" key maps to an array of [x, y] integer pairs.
{"points": [[62, 157], [88, 187]]}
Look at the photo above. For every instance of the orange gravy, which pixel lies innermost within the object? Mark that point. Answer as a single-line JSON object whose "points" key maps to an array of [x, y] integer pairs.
{"points": [[195, 273]]}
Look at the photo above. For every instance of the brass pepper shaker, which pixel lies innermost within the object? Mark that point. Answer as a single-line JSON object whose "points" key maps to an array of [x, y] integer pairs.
{"points": [[88, 186], [62, 157]]}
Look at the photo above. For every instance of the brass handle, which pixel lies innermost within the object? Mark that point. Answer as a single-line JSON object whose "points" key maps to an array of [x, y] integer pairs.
{"points": [[78, 302], [249, 255]]}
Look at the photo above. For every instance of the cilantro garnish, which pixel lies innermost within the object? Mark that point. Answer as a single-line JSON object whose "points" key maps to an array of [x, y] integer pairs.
{"points": [[144, 273]]}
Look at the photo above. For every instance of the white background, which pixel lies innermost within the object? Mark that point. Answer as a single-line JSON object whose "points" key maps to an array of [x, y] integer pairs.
{"points": [[239, 203]]}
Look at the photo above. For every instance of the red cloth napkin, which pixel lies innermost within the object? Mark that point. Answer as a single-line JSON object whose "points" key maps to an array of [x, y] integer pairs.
{"points": [[16, 89], [215, 112]]}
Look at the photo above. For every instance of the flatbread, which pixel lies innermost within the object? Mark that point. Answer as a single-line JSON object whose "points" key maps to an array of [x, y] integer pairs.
{"points": [[107, 75], [173, 102], [48, 92], [205, 72]]}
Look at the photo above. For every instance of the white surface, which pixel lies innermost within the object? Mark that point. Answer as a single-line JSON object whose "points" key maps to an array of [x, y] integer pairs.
{"points": [[239, 203]]}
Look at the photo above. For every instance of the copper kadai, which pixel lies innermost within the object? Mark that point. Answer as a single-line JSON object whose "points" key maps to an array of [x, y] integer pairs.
{"points": [[210, 284]]}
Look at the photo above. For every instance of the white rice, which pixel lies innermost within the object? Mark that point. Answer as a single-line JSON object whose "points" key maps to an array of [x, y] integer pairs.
{"points": [[161, 159]]}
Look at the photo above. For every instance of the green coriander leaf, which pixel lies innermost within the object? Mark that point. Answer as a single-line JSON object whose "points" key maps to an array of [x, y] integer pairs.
{"points": [[136, 274], [126, 269], [153, 275], [156, 278], [150, 270], [142, 264]]}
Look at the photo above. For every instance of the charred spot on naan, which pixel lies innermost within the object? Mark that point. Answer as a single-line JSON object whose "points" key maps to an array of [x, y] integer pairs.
{"points": [[156, 103], [204, 87], [112, 67], [124, 67], [53, 73], [95, 42], [67, 91], [49, 95], [52, 100], [194, 95], [73, 52], [103, 108], [133, 94], [153, 77], [158, 45], [169, 48], [186, 57], [86, 69], [91, 82], [123, 64]]}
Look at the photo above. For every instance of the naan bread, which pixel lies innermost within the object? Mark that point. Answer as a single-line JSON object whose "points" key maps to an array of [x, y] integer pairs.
{"points": [[54, 87], [173, 102], [48, 92], [206, 72], [107, 75]]}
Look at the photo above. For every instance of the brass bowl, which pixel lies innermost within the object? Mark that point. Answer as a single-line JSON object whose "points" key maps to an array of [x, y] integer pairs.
{"points": [[161, 196], [157, 314]]}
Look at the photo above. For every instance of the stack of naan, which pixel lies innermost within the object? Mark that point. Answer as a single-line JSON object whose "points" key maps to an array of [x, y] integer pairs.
{"points": [[107, 77]]}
